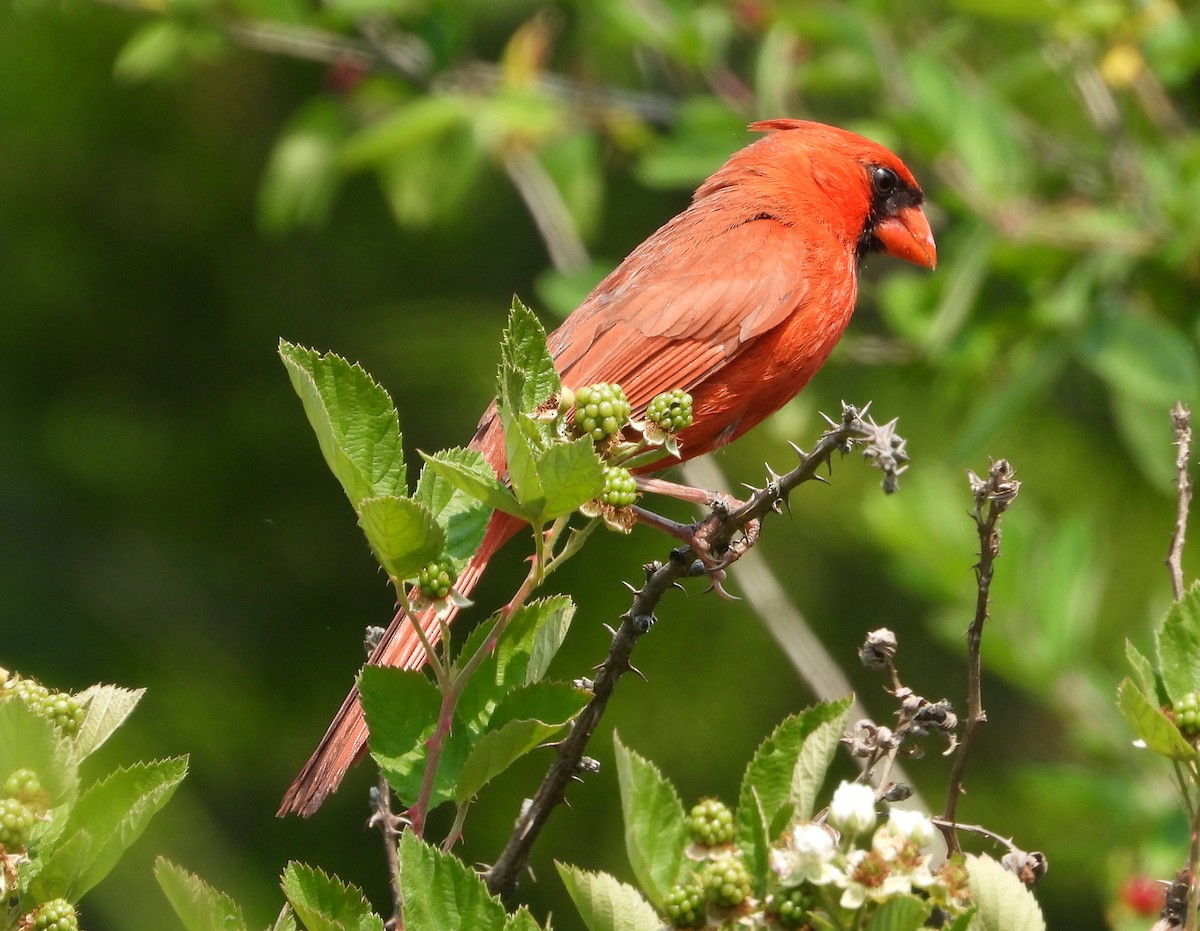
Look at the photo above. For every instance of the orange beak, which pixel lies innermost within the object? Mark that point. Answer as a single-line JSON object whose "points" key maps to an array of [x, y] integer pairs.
{"points": [[906, 235]]}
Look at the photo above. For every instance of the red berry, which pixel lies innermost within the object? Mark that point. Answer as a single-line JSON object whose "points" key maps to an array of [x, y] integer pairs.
{"points": [[1143, 895]]}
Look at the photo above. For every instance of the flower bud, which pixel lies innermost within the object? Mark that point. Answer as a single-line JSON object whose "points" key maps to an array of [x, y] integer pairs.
{"points": [[852, 810], [911, 826]]}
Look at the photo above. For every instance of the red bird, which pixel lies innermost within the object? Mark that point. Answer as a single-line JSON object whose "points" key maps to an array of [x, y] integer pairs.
{"points": [[738, 300]]}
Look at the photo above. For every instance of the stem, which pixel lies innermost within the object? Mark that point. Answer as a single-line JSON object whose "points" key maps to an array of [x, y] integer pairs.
{"points": [[387, 822], [992, 498], [721, 527], [1181, 418]]}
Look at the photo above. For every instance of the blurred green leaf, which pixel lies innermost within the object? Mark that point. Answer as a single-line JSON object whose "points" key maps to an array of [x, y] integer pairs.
{"points": [[198, 905], [356, 424], [1143, 357], [1178, 645], [899, 913], [521, 920], [440, 892], [655, 824], [1002, 900], [325, 903], [705, 133], [562, 292], [1147, 679], [1150, 724], [605, 904], [303, 173], [164, 48]]}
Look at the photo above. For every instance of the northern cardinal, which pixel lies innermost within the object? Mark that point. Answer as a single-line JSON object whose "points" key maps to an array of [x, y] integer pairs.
{"points": [[737, 300]]}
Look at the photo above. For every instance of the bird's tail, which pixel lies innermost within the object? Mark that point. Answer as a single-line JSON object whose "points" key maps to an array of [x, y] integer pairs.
{"points": [[346, 739]]}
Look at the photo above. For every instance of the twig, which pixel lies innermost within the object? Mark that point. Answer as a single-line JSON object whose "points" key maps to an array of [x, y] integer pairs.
{"points": [[1181, 419], [719, 528], [992, 495], [548, 209], [389, 824]]}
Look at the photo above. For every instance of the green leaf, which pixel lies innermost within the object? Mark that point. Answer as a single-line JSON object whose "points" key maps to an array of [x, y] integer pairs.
{"points": [[325, 903], [521, 920], [552, 702], [159, 49], [463, 519], [1178, 642], [532, 637], [468, 471], [757, 842], [570, 474], [107, 708], [357, 427], [899, 913], [401, 707], [655, 824], [1003, 902], [197, 904], [705, 132], [30, 741], [528, 377], [108, 817], [402, 533], [772, 769], [496, 751], [1150, 724], [523, 447], [606, 904], [1145, 675], [440, 893], [816, 753]]}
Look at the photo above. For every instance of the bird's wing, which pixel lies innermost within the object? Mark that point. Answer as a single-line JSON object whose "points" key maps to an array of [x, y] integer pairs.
{"points": [[672, 315]]}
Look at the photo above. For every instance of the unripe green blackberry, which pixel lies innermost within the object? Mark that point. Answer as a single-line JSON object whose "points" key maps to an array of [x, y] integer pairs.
{"points": [[791, 907], [16, 821], [601, 410], [711, 823], [437, 578], [29, 691], [55, 915], [726, 881], [1187, 714], [620, 488], [671, 410], [65, 710], [23, 784], [685, 906]]}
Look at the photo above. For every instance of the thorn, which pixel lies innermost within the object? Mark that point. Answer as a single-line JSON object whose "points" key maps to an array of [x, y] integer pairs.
{"points": [[720, 590], [829, 420], [818, 477], [612, 631], [679, 586], [798, 451], [632, 588], [637, 672]]}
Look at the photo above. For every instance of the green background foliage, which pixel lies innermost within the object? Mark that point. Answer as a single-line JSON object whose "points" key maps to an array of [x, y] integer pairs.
{"points": [[168, 521]]}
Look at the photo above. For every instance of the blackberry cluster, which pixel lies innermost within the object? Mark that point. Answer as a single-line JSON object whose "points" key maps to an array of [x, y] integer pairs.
{"points": [[24, 785], [711, 823], [55, 915], [726, 881], [685, 906], [437, 578], [620, 489], [64, 709], [16, 821], [601, 410], [671, 410], [791, 907], [1187, 714]]}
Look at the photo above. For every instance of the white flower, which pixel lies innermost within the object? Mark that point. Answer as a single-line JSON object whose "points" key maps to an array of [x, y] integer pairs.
{"points": [[810, 858], [912, 826], [869, 877], [852, 810]]}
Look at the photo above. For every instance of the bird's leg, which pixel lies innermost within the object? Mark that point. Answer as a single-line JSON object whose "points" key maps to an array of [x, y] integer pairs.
{"points": [[698, 535]]}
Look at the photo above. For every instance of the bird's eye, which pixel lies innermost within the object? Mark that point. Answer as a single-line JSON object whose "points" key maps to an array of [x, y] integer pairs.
{"points": [[884, 180]]}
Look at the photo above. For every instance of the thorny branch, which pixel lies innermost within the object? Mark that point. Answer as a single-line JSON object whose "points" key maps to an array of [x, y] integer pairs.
{"points": [[993, 495], [1181, 419], [720, 528]]}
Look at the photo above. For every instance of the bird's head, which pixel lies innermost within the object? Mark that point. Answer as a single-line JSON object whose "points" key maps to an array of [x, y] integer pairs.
{"points": [[873, 192]]}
